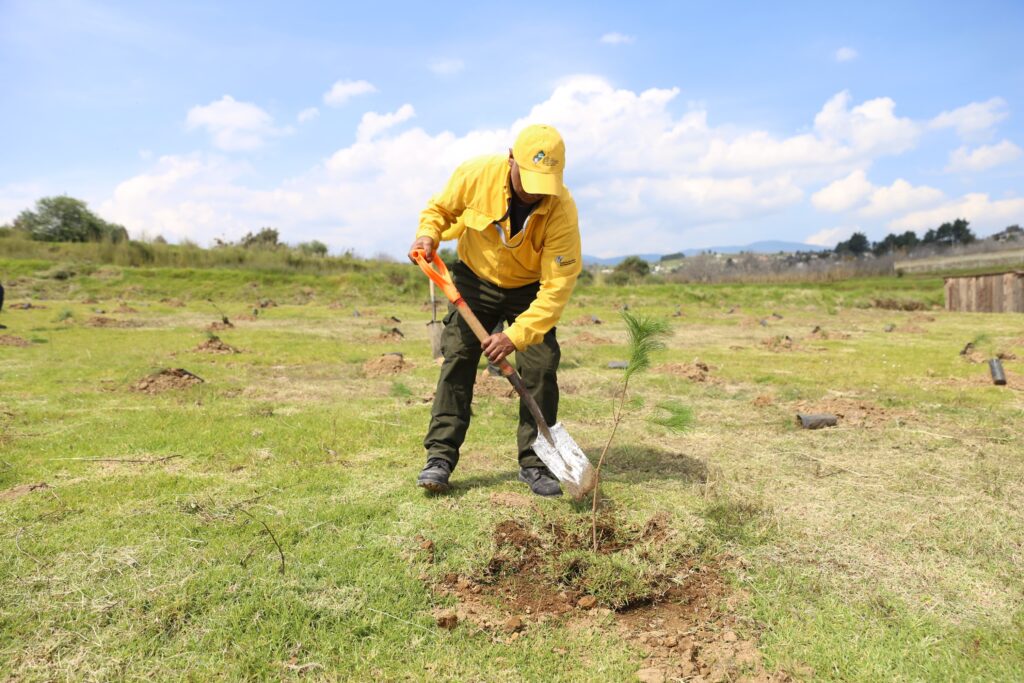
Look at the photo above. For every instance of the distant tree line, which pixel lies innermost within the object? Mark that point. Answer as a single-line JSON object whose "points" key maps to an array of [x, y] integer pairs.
{"points": [[948, 234], [65, 219]]}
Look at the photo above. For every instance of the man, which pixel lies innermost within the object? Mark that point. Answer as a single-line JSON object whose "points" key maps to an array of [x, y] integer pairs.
{"points": [[519, 257]]}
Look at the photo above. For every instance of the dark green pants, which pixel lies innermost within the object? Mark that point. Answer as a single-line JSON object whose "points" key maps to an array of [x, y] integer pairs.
{"points": [[538, 366]]}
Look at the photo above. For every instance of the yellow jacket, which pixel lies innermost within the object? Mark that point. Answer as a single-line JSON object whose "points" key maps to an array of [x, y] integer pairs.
{"points": [[473, 207]]}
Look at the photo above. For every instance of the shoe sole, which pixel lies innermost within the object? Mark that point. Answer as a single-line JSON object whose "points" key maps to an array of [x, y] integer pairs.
{"points": [[542, 495], [434, 486]]}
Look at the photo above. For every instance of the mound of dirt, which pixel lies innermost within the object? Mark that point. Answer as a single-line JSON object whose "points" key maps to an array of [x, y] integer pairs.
{"points": [[267, 303], [12, 340], [387, 364], [27, 306], [90, 300], [124, 308], [392, 335], [16, 492], [898, 305], [911, 329], [219, 326], [101, 321], [496, 387], [850, 411], [167, 379], [697, 371], [782, 342], [588, 320], [176, 303], [819, 333], [215, 345], [679, 624]]}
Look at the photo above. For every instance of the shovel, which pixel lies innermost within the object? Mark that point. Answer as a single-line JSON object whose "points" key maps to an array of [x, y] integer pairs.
{"points": [[435, 326], [553, 445]]}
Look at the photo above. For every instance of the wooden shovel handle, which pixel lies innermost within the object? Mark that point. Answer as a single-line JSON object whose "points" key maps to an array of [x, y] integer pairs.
{"points": [[438, 273]]}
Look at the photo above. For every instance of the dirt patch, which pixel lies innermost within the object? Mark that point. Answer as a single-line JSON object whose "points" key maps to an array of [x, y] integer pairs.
{"points": [[175, 303], [588, 320], [27, 306], [215, 345], [496, 387], [101, 321], [588, 338], [686, 636], [219, 326], [22, 490], [821, 334], [123, 308], [697, 371], [167, 379], [385, 365], [898, 305], [763, 401], [686, 626], [851, 412], [778, 343], [12, 340], [910, 329], [392, 335]]}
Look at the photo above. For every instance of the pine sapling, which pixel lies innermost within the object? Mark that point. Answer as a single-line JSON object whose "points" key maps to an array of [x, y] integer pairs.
{"points": [[645, 337]]}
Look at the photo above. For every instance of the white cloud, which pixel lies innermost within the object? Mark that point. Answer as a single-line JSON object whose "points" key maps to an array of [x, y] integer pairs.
{"points": [[646, 177], [846, 54], [615, 38], [308, 114], [233, 125], [342, 91], [973, 121], [447, 67], [843, 194], [373, 123], [900, 196], [985, 215], [984, 157], [830, 237]]}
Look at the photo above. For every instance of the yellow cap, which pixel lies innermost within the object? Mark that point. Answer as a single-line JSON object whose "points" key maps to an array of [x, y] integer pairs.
{"points": [[540, 154]]}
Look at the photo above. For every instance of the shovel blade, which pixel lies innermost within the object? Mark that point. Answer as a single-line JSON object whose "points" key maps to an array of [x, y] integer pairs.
{"points": [[567, 461]]}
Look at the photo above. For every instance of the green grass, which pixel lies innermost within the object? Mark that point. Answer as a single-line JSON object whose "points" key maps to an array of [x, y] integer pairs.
{"points": [[887, 548]]}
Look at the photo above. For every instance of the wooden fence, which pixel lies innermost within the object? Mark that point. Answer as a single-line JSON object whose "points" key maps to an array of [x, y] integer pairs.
{"points": [[999, 293]]}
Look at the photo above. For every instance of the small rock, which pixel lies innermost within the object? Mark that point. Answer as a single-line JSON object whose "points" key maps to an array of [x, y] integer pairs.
{"points": [[650, 676], [447, 619], [463, 584], [670, 642], [587, 602], [618, 365], [513, 625], [427, 545]]}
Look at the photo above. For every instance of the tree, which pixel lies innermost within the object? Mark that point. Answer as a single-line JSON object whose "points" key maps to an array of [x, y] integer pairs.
{"points": [[857, 245], [314, 248], [66, 219], [893, 242], [265, 238], [634, 267], [957, 232]]}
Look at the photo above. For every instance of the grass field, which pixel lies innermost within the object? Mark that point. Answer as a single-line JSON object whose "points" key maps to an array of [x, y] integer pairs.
{"points": [[264, 524]]}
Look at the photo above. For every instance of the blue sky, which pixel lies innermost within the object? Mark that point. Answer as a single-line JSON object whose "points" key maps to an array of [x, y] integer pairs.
{"points": [[687, 124]]}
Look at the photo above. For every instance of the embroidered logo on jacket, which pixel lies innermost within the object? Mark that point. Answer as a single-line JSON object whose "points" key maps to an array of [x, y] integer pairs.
{"points": [[562, 261]]}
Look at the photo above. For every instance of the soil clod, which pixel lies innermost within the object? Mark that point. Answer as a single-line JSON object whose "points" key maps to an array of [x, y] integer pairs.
{"points": [[12, 340], [215, 345], [167, 379], [387, 364]]}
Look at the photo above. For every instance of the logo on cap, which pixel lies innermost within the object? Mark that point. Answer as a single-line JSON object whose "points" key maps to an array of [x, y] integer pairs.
{"points": [[538, 156]]}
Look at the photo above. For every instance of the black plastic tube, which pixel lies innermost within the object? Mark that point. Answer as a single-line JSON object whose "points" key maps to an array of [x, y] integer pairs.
{"points": [[808, 421], [995, 366]]}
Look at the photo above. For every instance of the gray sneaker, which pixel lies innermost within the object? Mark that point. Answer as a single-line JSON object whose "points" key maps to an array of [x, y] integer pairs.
{"points": [[434, 476], [541, 481]]}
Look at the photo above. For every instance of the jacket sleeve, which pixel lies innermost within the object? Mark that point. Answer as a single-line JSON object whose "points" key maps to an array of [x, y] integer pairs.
{"points": [[444, 208], [561, 262]]}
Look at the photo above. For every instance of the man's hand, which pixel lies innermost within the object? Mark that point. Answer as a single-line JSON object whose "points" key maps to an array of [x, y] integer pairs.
{"points": [[424, 244], [497, 347]]}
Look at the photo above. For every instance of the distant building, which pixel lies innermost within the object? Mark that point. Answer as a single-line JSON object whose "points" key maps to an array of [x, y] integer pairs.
{"points": [[996, 293]]}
